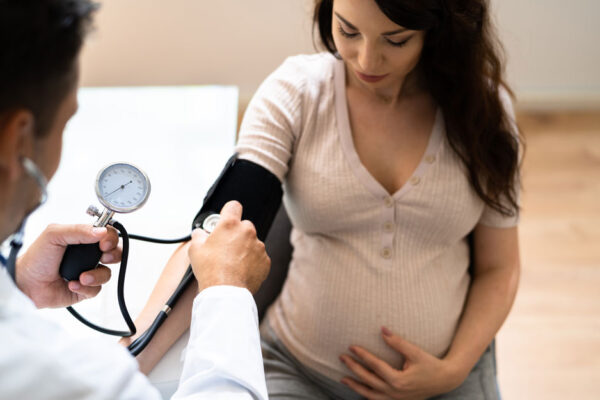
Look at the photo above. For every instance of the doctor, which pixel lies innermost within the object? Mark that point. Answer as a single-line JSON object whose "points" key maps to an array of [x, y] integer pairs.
{"points": [[39, 46]]}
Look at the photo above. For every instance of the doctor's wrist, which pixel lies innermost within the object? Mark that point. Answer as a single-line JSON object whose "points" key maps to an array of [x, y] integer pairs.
{"points": [[21, 279], [209, 283]]}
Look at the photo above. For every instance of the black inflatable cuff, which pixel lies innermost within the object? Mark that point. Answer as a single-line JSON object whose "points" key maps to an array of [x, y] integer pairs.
{"points": [[257, 189]]}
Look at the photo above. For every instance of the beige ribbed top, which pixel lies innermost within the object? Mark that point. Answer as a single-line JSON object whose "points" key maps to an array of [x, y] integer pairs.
{"points": [[362, 258]]}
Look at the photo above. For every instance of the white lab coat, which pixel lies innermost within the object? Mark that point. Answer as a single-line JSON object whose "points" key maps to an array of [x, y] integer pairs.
{"points": [[40, 360]]}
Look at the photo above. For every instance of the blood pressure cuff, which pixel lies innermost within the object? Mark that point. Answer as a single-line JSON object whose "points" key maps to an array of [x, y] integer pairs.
{"points": [[256, 188]]}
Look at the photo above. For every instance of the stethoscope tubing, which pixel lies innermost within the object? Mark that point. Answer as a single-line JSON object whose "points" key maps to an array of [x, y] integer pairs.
{"points": [[139, 344]]}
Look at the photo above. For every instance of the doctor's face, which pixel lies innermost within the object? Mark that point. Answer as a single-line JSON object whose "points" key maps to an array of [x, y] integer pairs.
{"points": [[21, 192], [376, 50]]}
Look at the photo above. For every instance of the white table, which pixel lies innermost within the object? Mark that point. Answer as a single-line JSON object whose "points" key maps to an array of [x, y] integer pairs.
{"points": [[181, 137]]}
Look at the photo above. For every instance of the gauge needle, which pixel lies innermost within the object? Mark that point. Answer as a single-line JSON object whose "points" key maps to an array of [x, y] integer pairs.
{"points": [[119, 188]]}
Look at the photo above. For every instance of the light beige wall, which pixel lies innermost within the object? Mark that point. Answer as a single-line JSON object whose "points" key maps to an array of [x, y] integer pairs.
{"points": [[554, 51], [178, 42], [552, 45]]}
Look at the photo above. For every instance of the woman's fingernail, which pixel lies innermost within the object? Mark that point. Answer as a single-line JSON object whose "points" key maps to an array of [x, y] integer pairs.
{"points": [[342, 359], [386, 331], [352, 349], [108, 258], [75, 286], [87, 280]]}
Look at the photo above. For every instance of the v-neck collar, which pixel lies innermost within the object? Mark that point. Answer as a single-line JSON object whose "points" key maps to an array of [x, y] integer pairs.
{"points": [[361, 172]]}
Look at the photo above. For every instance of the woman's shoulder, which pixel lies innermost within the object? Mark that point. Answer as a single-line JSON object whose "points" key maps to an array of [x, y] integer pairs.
{"points": [[307, 69], [314, 62]]}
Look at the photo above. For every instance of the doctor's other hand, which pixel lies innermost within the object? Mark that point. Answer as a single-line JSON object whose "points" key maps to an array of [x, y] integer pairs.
{"points": [[231, 254], [37, 270]]}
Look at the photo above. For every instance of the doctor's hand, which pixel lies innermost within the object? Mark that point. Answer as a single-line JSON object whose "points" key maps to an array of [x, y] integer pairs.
{"points": [[37, 270], [422, 376], [231, 254]]}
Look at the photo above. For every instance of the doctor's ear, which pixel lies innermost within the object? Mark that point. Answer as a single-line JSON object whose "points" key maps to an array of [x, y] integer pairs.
{"points": [[17, 138]]}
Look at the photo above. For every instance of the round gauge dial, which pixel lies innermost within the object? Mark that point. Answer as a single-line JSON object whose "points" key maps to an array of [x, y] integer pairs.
{"points": [[122, 187]]}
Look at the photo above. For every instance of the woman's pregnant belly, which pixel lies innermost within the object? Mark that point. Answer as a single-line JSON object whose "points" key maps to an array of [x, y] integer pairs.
{"points": [[337, 299]]}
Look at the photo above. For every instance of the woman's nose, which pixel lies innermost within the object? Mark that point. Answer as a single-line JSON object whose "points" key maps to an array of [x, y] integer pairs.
{"points": [[369, 58]]}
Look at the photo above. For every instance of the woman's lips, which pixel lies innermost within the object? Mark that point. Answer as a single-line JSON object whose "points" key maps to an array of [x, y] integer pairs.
{"points": [[370, 78]]}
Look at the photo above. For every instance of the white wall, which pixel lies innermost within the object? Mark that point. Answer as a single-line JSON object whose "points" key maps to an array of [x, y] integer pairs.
{"points": [[554, 55]]}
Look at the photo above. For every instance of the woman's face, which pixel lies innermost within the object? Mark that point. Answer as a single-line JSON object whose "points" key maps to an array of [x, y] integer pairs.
{"points": [[377, 51]]}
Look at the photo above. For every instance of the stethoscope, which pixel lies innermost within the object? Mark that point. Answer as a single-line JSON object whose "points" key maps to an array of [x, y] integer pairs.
{"points": [[120, 188]]}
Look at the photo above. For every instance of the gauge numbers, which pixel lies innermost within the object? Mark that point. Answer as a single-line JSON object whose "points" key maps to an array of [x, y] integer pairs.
{"points": [[122, 187]]}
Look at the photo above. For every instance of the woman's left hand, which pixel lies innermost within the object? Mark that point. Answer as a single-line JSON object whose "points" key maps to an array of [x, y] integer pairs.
{"points": [[422, 376]]}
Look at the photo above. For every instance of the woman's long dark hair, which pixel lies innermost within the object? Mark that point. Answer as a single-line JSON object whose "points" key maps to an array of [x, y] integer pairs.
{"points": [[463, 70]]}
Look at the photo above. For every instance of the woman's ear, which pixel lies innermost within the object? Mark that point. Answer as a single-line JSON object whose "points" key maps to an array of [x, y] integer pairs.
{"points": [[16, 140]]}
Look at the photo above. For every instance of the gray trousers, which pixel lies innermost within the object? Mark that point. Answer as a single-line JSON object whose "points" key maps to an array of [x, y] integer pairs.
{"points": [[288, 379]]}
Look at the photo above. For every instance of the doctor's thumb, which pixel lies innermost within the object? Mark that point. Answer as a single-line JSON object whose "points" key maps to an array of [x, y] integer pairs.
{"points": [[199, 235], [75, 234]]}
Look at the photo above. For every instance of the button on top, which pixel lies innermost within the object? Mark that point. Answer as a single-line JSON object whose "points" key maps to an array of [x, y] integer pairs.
{"points": [[386, 253], [388, 227], [415, 180], [430, 159], [389, 202]]}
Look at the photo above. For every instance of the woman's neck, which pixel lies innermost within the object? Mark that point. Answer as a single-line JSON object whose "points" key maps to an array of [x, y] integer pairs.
{"points": [[390, 95]]}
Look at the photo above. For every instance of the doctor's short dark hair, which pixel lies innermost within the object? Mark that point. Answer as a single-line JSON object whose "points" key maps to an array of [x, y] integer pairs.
{"points": [[462, 67], [40, 42]]}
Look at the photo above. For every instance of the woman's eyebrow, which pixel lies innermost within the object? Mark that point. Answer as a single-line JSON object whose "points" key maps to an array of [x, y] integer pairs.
{"points": [[344, 20], [394, 32]]}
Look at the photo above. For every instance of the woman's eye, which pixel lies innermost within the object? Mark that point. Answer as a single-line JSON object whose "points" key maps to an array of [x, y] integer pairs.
{"points": [[346, 34], [399, 44]]}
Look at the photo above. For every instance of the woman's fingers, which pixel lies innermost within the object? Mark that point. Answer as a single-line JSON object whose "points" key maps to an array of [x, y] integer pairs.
{"points": [[363, 390], [375, 364], [364, 374], [401, 345]]}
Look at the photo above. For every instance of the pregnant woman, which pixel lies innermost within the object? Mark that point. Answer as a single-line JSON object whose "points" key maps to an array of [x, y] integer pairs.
{"points": [[399, 157], [394, 147]]}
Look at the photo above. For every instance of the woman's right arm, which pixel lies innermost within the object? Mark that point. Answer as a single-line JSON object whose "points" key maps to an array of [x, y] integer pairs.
{"points": [[270, 127], [179, 318]]}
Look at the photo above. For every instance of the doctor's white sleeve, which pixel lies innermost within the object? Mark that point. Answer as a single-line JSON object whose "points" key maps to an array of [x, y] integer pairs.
{"points": [[41, 360], [223, 359]]}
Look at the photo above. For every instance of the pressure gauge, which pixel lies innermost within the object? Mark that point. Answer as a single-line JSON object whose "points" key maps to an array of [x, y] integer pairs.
{"points": [[122, 187]]}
